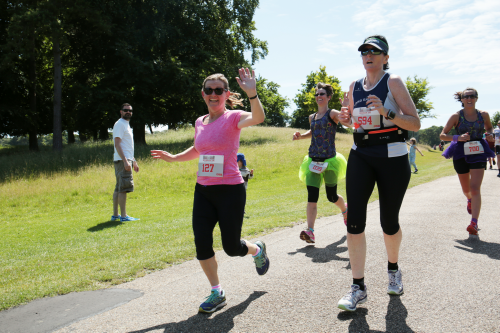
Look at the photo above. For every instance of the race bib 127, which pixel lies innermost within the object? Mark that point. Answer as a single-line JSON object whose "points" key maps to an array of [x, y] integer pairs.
{"points": [[211, 166]]}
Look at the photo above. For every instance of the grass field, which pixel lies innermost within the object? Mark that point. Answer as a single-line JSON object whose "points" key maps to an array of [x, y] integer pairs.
{"points": [[55, 209]]}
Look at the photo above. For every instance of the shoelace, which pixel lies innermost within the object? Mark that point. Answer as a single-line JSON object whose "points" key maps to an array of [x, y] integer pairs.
{"points": [[212, 297], [392, 279], [353, 293]]}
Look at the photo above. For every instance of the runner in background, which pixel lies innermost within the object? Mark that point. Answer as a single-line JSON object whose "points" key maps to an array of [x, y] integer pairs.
{"points": [[382, 112], [469, 150], [496, 132], [220, 194], [323, 163]]}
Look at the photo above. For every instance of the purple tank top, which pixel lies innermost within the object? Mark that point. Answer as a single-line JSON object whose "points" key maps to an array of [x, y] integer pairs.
{"points": [[323, 137], [475, 128]]}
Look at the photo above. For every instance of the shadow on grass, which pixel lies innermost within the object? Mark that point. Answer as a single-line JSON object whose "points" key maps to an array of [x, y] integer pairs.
{"points": [[395, 319], [222, 322], [475, 245], [105, 225], [327, 254], [20, 163]]}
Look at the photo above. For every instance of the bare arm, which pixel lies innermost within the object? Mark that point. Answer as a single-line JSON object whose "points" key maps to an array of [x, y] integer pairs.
{"points": [[345, 115], [248, 83], [298, 136], [488, 126], [419, 151], [409, 120], [452, 122], [187, 155]]}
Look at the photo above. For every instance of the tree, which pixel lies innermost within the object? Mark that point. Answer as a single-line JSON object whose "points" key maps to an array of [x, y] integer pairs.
{"points": [[418, 89], [429, 135], [273, 103], [495, 118], [306, 103]]}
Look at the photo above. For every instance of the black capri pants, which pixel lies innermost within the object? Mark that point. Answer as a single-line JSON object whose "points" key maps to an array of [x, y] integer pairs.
{"points": [[224, 204], [392, 176]]}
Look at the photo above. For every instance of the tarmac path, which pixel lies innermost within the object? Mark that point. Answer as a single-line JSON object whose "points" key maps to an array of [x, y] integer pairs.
{"points": [[450, 280]]}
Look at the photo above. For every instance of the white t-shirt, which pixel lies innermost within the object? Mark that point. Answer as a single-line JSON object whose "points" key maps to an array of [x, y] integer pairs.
{"points": [[496, 132], [123, 131]]}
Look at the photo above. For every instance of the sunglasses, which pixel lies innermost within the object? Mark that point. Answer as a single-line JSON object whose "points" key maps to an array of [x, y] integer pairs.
{"points": [[127, 110], [469, 96], [319, 94], [372, 51], [218, 91]]}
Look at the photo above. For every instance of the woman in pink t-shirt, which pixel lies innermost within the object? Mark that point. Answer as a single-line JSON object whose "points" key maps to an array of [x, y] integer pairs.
{"points": [[220, 194]]}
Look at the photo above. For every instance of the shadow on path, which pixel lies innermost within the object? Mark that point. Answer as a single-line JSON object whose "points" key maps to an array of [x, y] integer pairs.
{"points": [[395, 319], [222, 322], [492, 250], [327, 254], [105, 225]]}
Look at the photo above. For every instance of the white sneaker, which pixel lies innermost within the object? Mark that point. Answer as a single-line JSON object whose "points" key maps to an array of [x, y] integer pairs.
{"points": [[395, 286], [354, 297]]}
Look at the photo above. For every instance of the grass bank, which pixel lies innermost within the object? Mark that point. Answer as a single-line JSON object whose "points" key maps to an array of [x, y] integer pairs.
{"points": [[55, 209]]}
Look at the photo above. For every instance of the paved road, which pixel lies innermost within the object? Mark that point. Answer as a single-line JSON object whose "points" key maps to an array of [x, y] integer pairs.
{"points": [[451, 281]]}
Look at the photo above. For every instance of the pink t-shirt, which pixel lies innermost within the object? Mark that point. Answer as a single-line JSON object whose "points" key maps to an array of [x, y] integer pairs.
{"points": [[222, 137]]}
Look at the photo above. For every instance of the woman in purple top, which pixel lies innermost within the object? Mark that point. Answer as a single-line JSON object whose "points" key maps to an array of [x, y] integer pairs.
{"points": [[220, 195], [469, 150]]}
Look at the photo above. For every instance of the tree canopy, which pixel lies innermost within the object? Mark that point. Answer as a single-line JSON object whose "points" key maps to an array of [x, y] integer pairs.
{"points": [[306, 102], [151, 54], [419, 89]]}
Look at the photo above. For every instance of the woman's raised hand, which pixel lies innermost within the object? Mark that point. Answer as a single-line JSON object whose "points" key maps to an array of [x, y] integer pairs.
{"points": [[247, 81], [345, 114], [296, 136]]}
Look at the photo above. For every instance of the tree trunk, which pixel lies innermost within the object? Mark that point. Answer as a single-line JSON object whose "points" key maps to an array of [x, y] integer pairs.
{"points": [[150, 128], [32, 130], [103, 134], [82, 136], [94, 135], [139, 134], [57, 137], [71, 136]]}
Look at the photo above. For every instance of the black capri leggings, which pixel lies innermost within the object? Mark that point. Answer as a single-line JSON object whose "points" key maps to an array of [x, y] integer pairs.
{"points": [[313, 193], [392, 176], [224, 204]]}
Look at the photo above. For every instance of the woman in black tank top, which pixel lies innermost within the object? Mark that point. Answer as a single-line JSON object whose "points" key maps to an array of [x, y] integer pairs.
{"points": [[380, 108]]}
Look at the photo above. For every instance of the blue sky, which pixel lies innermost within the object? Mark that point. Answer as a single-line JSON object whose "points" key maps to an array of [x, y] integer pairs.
{"points": [[453, 43]]}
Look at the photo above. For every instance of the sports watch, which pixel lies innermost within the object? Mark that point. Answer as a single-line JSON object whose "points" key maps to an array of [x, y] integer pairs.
{"points": [[390, 114]]}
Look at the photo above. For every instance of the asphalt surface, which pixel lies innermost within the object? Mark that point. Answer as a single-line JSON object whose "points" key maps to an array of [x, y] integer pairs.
{"points": [[450, 280]]}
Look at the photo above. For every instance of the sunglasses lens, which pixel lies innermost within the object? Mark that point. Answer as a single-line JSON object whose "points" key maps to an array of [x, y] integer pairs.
{"points": [[218, 91]]}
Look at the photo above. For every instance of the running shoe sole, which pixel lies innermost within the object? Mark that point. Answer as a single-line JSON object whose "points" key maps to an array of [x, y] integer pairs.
{"points": [[305, 237], [215, 308], [345, 308], [395, 293]]}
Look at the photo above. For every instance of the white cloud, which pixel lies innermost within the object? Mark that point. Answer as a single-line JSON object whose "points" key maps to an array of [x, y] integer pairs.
{"points": [[457, 36]]}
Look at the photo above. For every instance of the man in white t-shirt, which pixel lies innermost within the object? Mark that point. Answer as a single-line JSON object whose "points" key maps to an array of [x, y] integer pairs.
{"points": [[496, 132], [124, 161]]}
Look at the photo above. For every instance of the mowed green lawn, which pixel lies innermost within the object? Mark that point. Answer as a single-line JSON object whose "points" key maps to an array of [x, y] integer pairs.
{"points": [[55, 209]]}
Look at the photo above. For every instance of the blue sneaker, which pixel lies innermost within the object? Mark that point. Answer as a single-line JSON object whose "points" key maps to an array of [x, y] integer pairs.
{"points": [[115, 218], [261, 261], [213, 302], [128, 219]]}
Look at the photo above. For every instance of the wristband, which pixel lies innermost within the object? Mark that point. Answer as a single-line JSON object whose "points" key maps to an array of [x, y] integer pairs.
{"points": [[455, 138], [253, 97]]}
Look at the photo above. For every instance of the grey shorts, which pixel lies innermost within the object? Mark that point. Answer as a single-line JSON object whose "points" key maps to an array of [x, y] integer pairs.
{"points": [[124, 179]]}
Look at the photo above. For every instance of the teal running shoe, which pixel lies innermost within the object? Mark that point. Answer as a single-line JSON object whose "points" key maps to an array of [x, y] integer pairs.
{"points": [[215, 301], [261, 261], [128, 219], [115, 218]]}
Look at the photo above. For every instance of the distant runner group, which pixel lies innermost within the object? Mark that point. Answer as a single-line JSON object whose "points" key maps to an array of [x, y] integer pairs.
{"points": [[381, 112]]}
